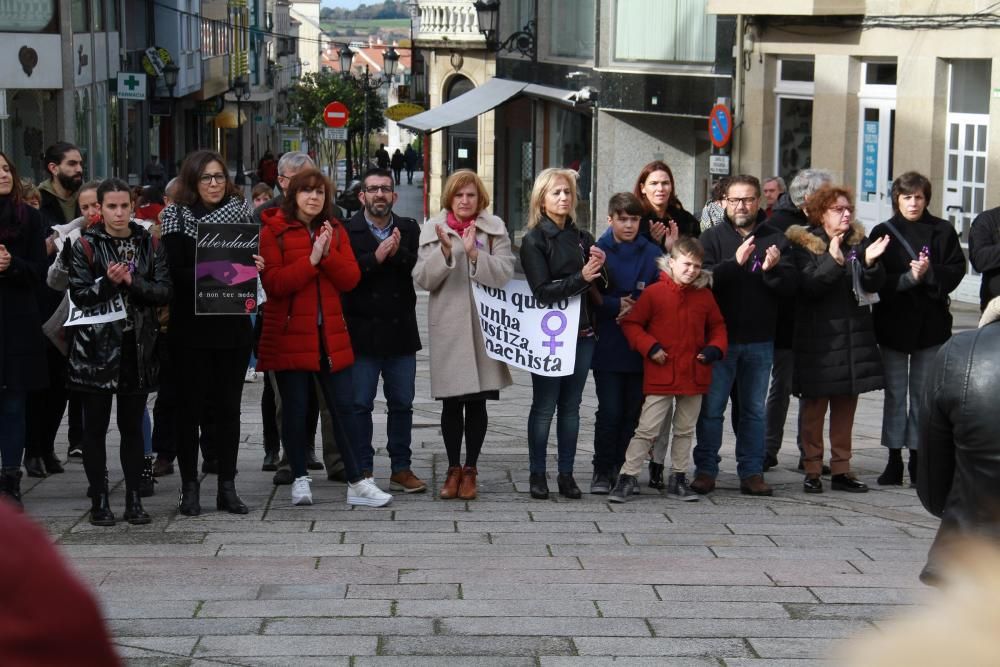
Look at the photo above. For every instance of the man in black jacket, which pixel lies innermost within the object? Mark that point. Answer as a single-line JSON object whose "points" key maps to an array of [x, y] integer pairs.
{"points": [[749, 279], [382, 320], [984, 253], [959, 464]]}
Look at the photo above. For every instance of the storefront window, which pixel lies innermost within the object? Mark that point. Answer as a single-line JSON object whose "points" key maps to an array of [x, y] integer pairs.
{"points": [[569, 147], [678, 31]]}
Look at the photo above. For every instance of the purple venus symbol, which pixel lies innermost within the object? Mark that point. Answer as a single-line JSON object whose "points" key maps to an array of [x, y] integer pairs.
{"points": [[552, 343]]}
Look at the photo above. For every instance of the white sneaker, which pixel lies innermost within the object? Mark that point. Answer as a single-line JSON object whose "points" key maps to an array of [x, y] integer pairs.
{"points": [[251, 375], [301, 491], [366, 492]]}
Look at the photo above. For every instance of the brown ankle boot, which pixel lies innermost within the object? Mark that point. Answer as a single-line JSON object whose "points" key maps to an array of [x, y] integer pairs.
{"points": [[451, 482], [467, 490]]}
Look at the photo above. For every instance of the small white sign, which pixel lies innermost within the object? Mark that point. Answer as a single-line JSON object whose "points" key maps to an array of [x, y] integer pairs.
{"points": [[718, 164], [336, 133], [103, 313], [463, 153], [131, 86]]}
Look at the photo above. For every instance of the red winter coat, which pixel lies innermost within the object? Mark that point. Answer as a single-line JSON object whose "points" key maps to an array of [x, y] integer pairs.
{"points": [[683, 320], [295, 288]]}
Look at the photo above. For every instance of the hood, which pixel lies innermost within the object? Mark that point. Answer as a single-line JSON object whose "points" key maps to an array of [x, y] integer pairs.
{"points": [[275, 220], [814, 239], [46, 186], [485, 222], [704, 279], [992, 312], [785, 203]]}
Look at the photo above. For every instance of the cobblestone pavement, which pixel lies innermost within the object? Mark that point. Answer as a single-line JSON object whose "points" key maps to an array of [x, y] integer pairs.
{"points": [[502, 580]]}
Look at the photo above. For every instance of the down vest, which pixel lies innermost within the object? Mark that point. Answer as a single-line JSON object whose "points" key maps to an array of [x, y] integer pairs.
{"points": [[296, 290], [834, 341], [683, 321]]}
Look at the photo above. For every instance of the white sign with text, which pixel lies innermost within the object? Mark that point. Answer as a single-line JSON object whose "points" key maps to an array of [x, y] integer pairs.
{"points": [[526, 333], [109, 311]]}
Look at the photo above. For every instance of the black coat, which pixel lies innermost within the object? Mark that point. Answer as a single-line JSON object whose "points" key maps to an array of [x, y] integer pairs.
{"points": [[959, 466], [95, 352], [687, 225], [984, 253], [834, 343], [553, 259], [748, 297], [22, 344], [381, 311], [918, 317], [785, 214]]}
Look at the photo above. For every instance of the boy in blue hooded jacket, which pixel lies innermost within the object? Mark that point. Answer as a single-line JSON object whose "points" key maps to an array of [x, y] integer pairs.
{"points": [[631, 263]]}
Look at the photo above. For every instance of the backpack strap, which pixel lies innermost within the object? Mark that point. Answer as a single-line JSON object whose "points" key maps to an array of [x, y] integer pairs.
{"points": [[88, 251]]}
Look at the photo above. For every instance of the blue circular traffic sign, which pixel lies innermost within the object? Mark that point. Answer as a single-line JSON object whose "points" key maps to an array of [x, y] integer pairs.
{"points": [[720, 125]]}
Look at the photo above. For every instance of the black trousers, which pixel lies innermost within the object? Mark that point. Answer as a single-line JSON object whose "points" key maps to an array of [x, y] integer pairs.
{"points": [[97, 416], [45, 408], [209, 391]]}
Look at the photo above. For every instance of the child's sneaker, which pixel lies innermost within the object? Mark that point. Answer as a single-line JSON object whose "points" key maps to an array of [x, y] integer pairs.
{"points": [[624, 487], [677, 488]]}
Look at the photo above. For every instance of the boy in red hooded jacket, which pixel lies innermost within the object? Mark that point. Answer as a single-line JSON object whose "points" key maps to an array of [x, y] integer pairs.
{"points": [[677, 327]]}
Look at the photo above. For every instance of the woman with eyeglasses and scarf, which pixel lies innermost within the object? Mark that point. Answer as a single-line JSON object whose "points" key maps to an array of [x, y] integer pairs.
{"points": [[209, 353]]}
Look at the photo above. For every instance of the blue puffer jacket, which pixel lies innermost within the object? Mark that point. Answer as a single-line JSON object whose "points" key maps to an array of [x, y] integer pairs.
{"points": [[632, 267]]}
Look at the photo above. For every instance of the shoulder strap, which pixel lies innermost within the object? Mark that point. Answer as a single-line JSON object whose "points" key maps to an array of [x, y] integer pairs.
{"points": [[902, 239], [88, 251]]}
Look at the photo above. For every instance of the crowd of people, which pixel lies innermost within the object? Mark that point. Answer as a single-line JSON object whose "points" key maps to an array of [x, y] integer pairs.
{"points": [[772, 293]]}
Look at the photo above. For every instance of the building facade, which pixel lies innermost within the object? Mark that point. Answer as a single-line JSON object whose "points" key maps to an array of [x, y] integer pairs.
{"points": [[871, 90]]}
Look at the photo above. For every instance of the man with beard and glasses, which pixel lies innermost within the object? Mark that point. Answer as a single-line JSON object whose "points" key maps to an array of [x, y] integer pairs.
{"points": [[749, 278], [65, 166], [382, 321]]}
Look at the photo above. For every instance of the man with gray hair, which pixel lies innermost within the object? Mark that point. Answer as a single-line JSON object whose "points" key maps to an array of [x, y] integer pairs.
{"points": [[773, 188], [290, 164], [789, 209]]}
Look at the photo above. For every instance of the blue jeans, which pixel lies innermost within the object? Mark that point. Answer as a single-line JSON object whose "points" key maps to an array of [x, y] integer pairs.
{"points": [[398, 385], [901, 417], [748, 367], [564, 392], [12, 427], [294, 388], [619, 402]]}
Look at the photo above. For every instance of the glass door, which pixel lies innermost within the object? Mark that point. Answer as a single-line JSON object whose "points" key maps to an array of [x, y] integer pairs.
{"points": [[965, 185], [875, 146]]}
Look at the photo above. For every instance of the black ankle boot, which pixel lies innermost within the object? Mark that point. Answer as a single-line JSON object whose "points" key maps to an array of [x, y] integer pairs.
{"points": [[568, 487], [539, 486], [10, 486], [146, 482], [189, 503], [911, 467], [33, 466], [53, 465], [100, 507], [893, 473], [226, 500], [134, 513], [656, 475]]}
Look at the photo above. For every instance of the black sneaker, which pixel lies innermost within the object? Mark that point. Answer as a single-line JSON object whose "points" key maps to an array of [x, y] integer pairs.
{"points": [[677, 488], [624, 487], [75, 452], [600, 484]]}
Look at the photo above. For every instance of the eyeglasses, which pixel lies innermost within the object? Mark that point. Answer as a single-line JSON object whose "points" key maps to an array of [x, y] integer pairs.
{"points": [[746, 201], [375, 189], [841, 210], [208, 178]]}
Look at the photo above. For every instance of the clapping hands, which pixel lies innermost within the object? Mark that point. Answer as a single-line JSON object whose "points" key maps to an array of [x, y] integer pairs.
{"points": [[4, 258], [592, 269], [321, 244], [388, 247]]}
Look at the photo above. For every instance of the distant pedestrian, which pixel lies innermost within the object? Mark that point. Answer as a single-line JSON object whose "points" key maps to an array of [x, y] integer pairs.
{"points": [[412, 158], [154, 173], [381, 157], [397, 163], [773, 188]]}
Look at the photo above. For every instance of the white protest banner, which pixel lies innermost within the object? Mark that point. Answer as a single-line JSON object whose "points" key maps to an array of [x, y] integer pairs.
{"points": [[109, 311], [525, 333]]}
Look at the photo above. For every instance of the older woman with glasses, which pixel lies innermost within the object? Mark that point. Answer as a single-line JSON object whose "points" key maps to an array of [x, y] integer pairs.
{"points": [[209, 353], [836, 355]]}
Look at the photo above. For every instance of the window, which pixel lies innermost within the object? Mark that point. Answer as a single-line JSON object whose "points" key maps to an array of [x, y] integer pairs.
{"points": [[793, 115], [79, 13], [653, 30], [571, 29], [970, 87]]}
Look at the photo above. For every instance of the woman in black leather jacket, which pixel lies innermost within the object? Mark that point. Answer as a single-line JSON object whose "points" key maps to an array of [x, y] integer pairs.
{"points": [[116, 259], [560, 261], [665, 218]]}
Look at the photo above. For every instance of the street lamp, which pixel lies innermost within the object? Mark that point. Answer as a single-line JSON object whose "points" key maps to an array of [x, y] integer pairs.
{"points": [[522, 41], [170, 71], [367, 82], [241, 91]]}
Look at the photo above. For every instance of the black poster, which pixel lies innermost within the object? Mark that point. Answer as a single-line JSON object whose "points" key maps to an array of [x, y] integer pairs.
{"points": [[225, 276]]}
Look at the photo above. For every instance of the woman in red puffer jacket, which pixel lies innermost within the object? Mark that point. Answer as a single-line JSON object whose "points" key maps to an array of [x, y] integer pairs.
{"points": [[308, 263]]}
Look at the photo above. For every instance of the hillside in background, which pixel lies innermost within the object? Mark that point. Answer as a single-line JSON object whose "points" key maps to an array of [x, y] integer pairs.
{"points": [[390, 9], [389, 21]]}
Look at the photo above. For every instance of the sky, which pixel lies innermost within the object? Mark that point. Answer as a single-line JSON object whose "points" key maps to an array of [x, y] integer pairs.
{"points": [[347, 4]]}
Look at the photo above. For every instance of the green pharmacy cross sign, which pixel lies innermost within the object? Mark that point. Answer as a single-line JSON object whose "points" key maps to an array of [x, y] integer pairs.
{"points": [[131, 86]]}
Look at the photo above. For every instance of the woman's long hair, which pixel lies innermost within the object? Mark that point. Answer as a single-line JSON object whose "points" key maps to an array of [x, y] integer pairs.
{"points": [[656, 165], [187, 180], [543, 183], [16, 193]]}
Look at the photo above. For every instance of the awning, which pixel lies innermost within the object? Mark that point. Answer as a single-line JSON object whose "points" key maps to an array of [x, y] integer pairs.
{"points": [[479, 100]]}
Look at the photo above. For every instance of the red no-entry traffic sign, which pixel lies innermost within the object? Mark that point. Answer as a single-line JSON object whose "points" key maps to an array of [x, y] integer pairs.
{"points": [[335, 114], [720, 125]]}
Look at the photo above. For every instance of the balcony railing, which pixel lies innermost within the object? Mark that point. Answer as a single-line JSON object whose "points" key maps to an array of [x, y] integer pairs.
{"points": [[447, 20]]}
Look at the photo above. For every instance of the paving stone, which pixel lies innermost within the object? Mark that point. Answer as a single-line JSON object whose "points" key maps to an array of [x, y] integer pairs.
{"points": [[557, 538], [794, 648], [350, 626], [692, 608], [397, 526], [285, 645], [137, 608], [145, 591], [630, 661], [730, 576], [302, 592], [284, 661], [545, 626], [850, 595], [139, 627], [483, 645], [167, 647], [666, 647], [745, 627], [304, 608], [443, 661], [489, 550], [394, 537], [770, 662], [496, 607], [480, 591], [403, 591], [869, 612], [234, 550], [79, 551], [736, 593], [547, 527]]}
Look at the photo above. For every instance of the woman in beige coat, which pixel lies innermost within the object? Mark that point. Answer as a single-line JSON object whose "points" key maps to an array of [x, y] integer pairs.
{"points": [[460, 244]]}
